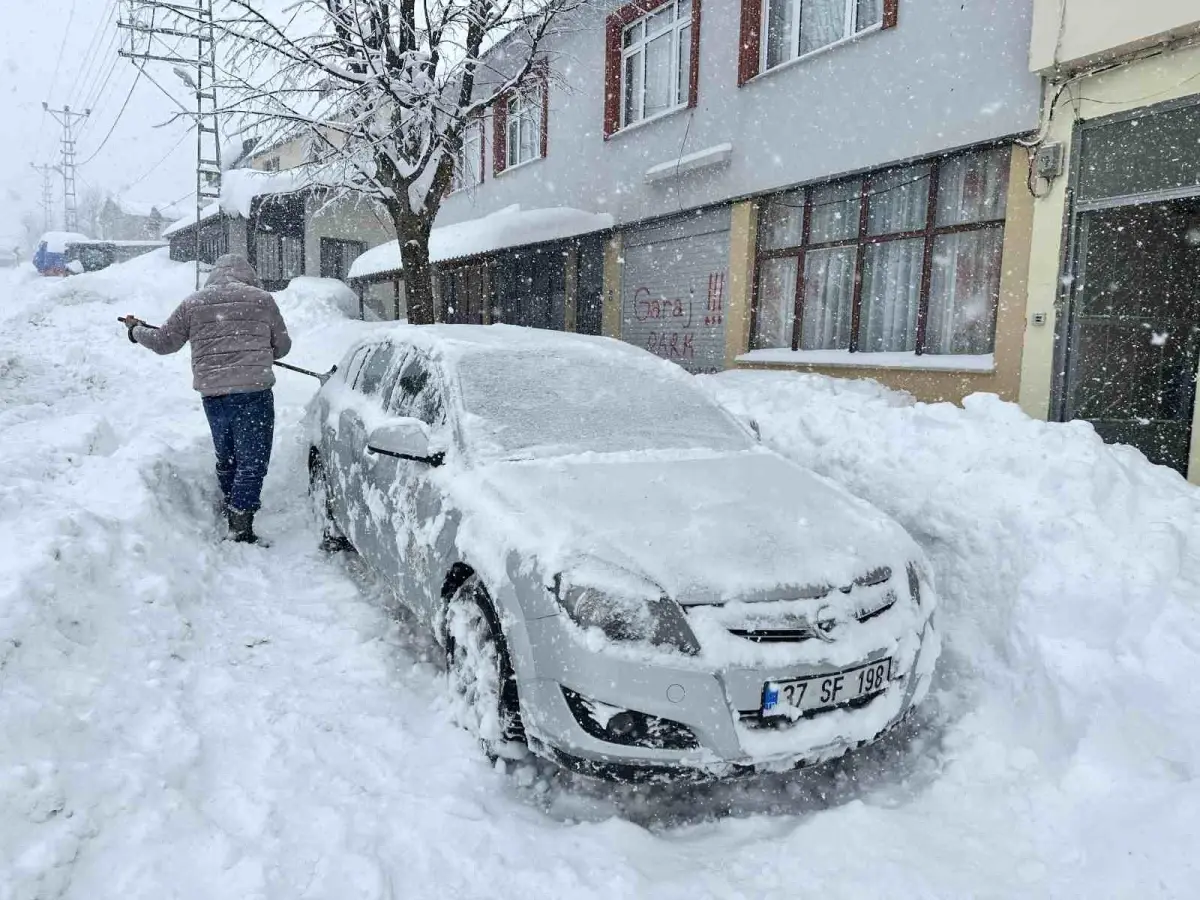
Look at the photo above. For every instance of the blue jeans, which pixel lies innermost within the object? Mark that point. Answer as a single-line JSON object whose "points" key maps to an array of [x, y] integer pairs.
{"points": [[242, 428]]}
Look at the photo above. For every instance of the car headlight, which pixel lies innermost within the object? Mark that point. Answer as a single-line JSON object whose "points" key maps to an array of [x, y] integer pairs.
{"points": [[656, 620]]}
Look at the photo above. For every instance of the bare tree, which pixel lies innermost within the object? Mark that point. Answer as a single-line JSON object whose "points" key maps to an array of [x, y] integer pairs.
{"points": [[384, 89], [90, 205]]}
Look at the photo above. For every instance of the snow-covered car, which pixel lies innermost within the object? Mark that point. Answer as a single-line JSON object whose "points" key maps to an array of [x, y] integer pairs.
{"points": [[621, 574]]}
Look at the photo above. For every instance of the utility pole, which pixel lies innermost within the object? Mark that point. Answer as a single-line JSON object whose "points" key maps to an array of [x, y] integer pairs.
{"points": [[189, 20], [47, 194], [67, 119]]}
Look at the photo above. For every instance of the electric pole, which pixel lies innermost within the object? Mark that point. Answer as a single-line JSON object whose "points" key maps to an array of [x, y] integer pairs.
{"points": [[67, 120], [185, 21], [47, 194]]}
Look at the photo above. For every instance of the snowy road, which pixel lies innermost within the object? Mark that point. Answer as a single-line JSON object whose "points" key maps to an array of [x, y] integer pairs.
{"points": [[185, 718]]}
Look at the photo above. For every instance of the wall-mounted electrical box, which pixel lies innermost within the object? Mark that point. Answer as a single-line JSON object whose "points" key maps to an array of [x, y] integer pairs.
{"points": [[1038, 318], [1048, 161]]}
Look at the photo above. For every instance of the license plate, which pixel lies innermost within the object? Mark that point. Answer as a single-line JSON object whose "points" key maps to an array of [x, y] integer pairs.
{"points": [[825, 691]]}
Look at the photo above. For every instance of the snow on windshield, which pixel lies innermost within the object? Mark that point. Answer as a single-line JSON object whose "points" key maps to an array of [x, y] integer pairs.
{"points": [[531, 404]]}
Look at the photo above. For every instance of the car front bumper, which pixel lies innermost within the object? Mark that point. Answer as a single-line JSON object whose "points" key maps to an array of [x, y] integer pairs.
{"points": [[719, 705]]}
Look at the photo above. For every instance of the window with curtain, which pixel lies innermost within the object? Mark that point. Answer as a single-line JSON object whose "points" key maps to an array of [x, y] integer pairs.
{"points": [[656, 62], [524, 124], [795, 28], [902, 260]]}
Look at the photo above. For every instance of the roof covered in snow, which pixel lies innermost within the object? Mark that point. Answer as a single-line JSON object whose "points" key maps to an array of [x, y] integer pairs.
{"points": [[508, 227], [56, 241], [169, 211], [241, 187]]}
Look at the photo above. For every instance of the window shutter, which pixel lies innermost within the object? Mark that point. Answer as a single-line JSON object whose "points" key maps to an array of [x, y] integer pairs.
{"points": [[748, 45], [694, 74], [612, 75], [891, 12], [500, 135]]}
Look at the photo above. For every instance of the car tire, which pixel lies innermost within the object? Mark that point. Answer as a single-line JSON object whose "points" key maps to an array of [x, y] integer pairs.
{"points": [[479, 673], [332, 539]]}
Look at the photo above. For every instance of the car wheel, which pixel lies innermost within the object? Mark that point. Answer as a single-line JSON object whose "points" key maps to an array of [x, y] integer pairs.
{"points": [[332, 539], [483, 687]]}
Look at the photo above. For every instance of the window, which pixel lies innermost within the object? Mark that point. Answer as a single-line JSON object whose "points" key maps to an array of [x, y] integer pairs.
{"points": [[371, 377], [656, 62], [523, 125], [417, 395], [468, 162], [906, 259], [774, 32], [278, 257], [651, 61], [271, 165]]}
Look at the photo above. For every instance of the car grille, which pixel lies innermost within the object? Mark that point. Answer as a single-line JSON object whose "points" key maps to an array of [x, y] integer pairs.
{"points": [[776, 622]]}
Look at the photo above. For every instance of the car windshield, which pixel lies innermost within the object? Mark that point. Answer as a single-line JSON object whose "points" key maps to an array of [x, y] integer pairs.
{"points": [[526, 405]]}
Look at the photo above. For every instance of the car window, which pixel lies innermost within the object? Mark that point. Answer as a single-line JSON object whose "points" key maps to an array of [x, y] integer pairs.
{"points": [[372, 377], [352, 368], [418, 394]]}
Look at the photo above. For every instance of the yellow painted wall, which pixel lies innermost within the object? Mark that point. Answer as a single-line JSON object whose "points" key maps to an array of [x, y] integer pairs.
{"points": [[1170, 75], [611, 318], [1076, 32]]}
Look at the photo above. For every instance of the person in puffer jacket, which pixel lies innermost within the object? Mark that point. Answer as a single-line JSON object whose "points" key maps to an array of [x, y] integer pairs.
{"points": [[236, 332]]}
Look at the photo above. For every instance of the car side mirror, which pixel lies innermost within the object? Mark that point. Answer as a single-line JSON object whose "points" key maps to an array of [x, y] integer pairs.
{"points": [[405, 439]]}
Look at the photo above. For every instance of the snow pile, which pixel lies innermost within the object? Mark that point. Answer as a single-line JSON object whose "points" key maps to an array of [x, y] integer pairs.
{"points": [[508, 227], [309, 302], [1069, 576], [183, 718]]}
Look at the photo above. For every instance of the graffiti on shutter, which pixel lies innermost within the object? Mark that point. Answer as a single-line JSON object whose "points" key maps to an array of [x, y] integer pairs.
{"points": [[675, 288]]}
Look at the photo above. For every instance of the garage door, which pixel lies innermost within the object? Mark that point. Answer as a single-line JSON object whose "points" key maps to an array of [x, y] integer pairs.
{"points": [[673, 289]]}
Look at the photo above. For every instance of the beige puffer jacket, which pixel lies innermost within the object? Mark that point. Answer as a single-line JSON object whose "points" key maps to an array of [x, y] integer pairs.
{"points": [[235, 329]]}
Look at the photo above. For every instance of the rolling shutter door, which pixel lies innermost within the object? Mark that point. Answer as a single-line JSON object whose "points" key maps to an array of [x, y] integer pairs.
{"points": [[673, 289]]}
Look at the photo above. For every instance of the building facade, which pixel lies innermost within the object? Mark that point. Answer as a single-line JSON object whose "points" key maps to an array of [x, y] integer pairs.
{"points": [[1114, 302], [829, 186]]}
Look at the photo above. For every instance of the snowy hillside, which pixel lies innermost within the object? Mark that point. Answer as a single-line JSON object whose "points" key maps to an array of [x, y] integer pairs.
{"points": [[185, 718]]}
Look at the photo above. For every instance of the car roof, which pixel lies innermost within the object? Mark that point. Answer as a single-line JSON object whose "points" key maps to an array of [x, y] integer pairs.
{"points": [[450, 344]]}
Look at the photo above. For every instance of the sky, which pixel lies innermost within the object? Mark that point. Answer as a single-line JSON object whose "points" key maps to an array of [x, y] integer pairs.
{"points": [[44, 56]]}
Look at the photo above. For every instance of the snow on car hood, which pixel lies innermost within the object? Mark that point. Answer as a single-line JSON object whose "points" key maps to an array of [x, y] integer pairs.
{"points": [[705, 528]]}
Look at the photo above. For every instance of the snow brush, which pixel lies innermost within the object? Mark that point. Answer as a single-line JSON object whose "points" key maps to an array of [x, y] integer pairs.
{"points": [[320, 376]]}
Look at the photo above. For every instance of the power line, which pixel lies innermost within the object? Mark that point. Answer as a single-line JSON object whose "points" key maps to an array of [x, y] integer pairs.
{"points": [[62, 48], [83, 75], [154, 167], [124, 106]]}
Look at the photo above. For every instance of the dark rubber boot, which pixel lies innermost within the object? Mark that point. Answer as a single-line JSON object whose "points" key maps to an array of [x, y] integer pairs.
{"points": [[241, 527]]}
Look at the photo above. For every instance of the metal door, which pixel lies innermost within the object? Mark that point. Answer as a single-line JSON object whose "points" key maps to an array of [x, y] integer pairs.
{"points": [[673, 289], [1135, 326]]}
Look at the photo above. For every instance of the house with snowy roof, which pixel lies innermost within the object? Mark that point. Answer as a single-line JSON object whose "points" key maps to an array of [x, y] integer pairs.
{"points": [[121, 219], [289, 220]]}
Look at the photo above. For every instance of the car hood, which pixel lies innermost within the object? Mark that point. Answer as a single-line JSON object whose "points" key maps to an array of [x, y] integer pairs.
{"points": [[704, 528]]}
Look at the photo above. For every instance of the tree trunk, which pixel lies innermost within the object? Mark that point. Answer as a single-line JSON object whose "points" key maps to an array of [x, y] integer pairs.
{"points": [[413, 233]]}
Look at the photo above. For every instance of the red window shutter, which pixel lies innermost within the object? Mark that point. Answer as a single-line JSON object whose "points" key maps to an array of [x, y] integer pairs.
{"points": [[612, 74], [694, 74], [751, 35], [500, 135], [891, 12]]}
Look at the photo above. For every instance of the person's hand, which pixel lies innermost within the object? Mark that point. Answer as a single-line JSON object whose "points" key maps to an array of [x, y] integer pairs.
{"points": [[130, 322]]}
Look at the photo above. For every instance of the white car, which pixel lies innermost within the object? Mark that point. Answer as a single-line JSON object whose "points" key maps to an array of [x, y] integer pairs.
{"points": [[623, 577]]}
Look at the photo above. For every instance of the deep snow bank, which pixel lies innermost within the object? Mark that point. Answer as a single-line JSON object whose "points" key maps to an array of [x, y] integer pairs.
{"points": [[1069, 572]]}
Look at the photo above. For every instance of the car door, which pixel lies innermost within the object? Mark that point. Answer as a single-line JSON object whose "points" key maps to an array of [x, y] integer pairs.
{"points": [[361, 506], [408, 541], [329, 446]]}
